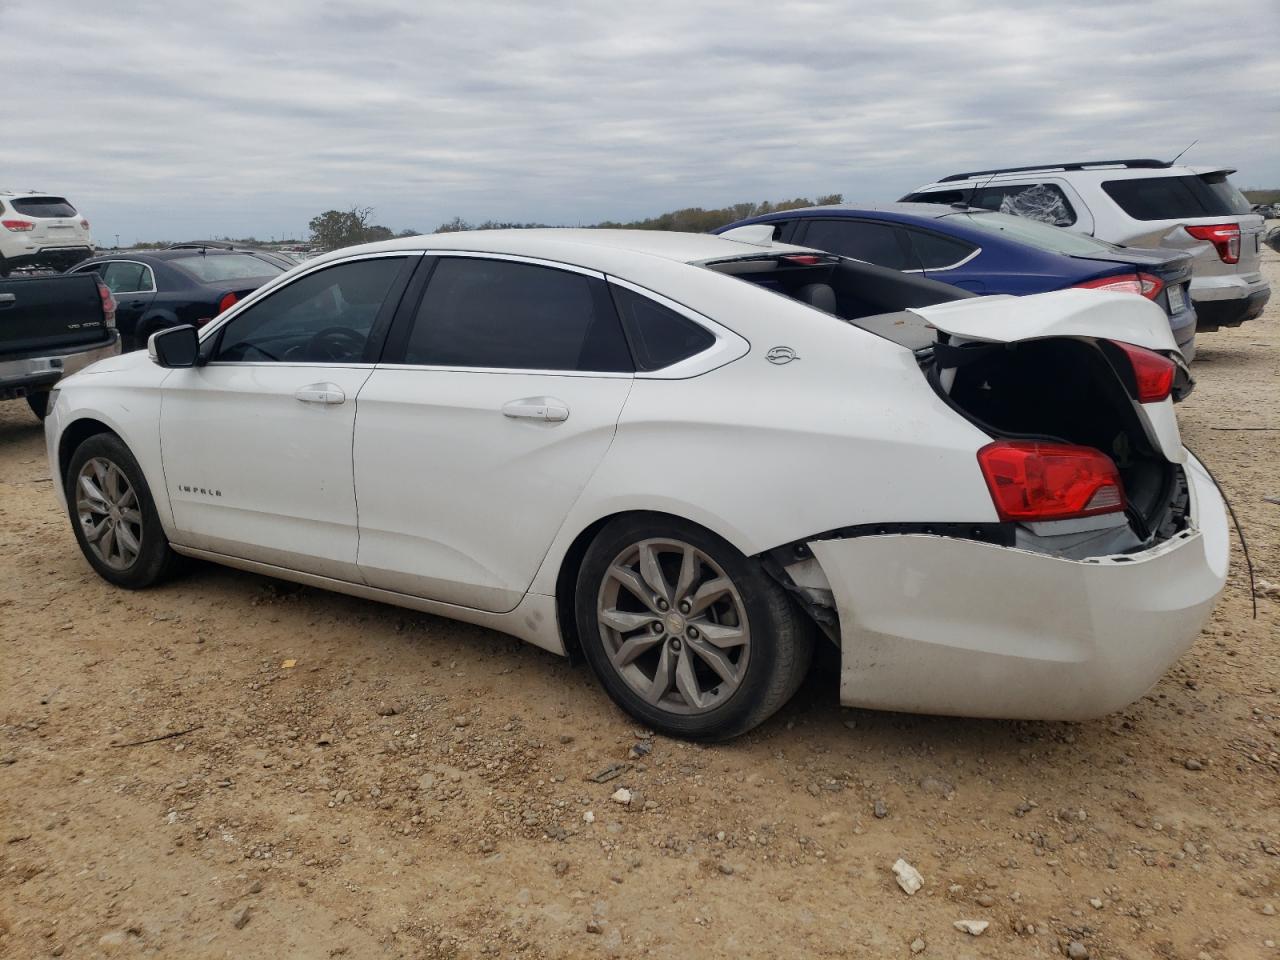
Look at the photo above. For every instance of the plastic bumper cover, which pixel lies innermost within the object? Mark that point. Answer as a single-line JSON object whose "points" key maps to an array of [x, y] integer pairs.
{"points": [[937, 625], [33, 374]]}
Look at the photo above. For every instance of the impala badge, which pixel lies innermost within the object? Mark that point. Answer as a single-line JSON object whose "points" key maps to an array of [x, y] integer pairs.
{"points": [[781, 355]]}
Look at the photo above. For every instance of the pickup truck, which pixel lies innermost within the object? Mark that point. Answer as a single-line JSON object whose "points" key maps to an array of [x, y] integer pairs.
{"points": [[52, 326]]}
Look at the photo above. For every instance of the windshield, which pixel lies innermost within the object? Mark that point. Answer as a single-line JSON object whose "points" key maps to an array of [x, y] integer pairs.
{"points": [[218, 267], [1042, 236]]}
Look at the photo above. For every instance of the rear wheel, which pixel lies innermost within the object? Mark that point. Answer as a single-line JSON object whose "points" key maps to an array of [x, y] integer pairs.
{"points": [[686, 633], [114, 516], [39, 403]]}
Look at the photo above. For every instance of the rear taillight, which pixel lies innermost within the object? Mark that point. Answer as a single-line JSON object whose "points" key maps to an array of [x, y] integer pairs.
{"points": [[1153, 373], [803, 259], [227, 302], [84, 224], [1031, 480], [108, 306], [1143, 284], [1225, 238], [17, 226]]}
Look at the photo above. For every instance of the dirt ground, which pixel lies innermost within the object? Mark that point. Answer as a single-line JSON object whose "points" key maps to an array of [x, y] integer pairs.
{"points": [[359, 781]]}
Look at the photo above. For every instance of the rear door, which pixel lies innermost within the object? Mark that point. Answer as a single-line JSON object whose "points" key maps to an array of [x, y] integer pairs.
{"points": [[497, 399], [257, 442]]}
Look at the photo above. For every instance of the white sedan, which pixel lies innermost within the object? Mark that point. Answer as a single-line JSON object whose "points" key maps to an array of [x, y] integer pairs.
{"points": [[688, 457]]}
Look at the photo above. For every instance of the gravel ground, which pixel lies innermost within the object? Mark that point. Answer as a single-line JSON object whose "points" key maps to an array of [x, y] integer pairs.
{"points": [[358, 781]]}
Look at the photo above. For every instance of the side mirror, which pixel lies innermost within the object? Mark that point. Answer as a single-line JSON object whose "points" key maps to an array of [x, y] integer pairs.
{"points": [[174, 347]]}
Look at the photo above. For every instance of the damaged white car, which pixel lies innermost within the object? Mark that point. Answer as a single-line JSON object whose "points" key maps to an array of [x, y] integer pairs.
{"points": [[690, 458]]}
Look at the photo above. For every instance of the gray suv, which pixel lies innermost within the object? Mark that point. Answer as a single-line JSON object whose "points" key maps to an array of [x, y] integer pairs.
{"points": [[1139, 203]]}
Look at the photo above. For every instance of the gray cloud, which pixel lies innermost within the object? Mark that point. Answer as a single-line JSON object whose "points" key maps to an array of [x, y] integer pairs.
{"points": [[175, 119]]}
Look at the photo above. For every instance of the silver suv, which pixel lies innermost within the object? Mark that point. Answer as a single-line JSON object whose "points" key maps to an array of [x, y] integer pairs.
{"points": [[1138, 203]]}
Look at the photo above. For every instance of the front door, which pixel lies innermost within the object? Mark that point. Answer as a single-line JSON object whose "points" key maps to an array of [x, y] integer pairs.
{"points": [[257, 441], [498, 399]]}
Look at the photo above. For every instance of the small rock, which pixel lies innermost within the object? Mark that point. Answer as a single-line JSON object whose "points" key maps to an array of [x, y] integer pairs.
{"points": [[1095, 903], [726, 869], [621, 795], [1077, 950], [909, 878], [240, 918], [880, 809], [566, 738], [388, 709], [589, 817], [595, 926], [936, 787], [917, 945], [561, 867], [974, 928], [1191, 763], [112, 940], [255, 887], [641, 749], [1268, 910], [985, 900], [426, 783]]}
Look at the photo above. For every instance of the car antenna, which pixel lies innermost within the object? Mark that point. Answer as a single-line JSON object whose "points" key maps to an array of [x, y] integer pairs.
{"points": [[1184, 150], [973, 191]]}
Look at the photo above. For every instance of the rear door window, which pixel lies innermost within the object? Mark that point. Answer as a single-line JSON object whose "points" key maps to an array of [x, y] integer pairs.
{"points": [[123, 276], [1177, 198], [505, 314], [932, 251], [659, 337], [1036, 201], [45, 207], [878, 243]]}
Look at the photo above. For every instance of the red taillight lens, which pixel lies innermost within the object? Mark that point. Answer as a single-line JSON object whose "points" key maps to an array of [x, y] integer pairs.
{"points": [[1030, 480], [1152, 373], [18, 226], [84, 224], [1143, 284], [1225, 238], [227, 302], [108, 305], [804, 259]]}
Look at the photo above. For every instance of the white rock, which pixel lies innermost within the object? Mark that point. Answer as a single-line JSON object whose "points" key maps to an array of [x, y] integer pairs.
{"points": [[589, 817], [917, 945], [621, 795], [909, 878], [974, 928], [1095, 902]]}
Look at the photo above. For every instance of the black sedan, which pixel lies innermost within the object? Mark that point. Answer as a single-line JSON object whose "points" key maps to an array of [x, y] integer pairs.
{"points": [[155, 289]]}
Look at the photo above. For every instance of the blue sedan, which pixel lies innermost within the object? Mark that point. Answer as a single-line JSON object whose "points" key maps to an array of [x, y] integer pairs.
{"points": [[987, 253]]}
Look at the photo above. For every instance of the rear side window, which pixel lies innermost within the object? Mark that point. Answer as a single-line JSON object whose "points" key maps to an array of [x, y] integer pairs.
{"points": [[221, 267], [1175, 198], [1036, 201], [510, 315], [659, 336], [876, 243], [42, 207], [932, 251], [937, 196], [127, 277]]}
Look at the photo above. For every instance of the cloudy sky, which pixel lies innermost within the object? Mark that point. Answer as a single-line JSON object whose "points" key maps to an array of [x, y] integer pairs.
{"points": [[176, 119]]}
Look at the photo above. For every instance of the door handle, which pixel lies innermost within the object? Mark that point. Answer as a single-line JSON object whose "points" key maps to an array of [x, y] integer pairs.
{"points": [[320, 393], [536, 408]]}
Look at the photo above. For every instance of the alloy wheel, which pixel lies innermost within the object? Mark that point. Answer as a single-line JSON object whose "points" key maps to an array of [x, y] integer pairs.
{"points": [[109, 512], [674, 626]]}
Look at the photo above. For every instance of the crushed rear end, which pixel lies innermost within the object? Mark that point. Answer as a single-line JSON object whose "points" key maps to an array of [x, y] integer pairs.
{"points": [[1058, 610]]}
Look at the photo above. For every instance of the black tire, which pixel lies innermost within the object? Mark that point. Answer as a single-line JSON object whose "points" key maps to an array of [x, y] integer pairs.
{"points": [[154, 559], [780, 634], [39, 404]]}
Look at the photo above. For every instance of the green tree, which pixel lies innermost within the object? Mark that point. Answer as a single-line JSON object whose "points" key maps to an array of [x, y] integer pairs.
{"points": [[344, 228]]}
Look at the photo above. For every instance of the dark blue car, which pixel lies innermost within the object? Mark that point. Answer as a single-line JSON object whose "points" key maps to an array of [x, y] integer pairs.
{"points": [[986, 252]]}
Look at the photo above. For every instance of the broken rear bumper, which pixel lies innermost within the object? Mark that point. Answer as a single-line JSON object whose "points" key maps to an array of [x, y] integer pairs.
{"points": [[933, 624]]}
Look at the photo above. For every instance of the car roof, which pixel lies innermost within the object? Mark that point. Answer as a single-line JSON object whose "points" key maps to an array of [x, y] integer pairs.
{"points": [[1103, 170], [185, 253], [595, 249], [925, 211]]}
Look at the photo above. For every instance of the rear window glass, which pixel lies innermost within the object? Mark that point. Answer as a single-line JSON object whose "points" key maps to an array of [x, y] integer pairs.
{"points": [[659, 337], [42, 207], [1177, 198], [217, 267], [1036, 234], [931, 251]]}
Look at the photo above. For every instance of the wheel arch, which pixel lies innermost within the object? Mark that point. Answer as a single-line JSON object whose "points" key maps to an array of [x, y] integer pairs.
{"points": [[76, 433]]}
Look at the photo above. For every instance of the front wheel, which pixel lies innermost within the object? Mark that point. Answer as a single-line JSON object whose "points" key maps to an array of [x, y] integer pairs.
{"points": [[684, 632], [114, 516]]}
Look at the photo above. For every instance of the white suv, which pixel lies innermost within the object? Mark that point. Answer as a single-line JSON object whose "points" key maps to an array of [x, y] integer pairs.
{"points": [[40, 230], [1137, 203]]}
